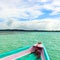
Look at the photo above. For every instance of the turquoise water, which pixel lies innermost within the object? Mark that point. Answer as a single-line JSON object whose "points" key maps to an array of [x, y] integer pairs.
{"points": [[13, 40]]}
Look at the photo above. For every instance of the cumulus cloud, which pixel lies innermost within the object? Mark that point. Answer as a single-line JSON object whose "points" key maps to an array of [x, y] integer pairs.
{"points": [[12, 11], [54, 6], [46, 24], [18, 8]]}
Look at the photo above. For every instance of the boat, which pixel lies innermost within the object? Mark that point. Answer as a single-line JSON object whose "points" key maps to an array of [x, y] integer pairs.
{"points": [[24, 53]]}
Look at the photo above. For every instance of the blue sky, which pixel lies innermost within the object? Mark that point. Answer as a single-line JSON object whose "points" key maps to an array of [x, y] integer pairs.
{"points": [[30, 14]]}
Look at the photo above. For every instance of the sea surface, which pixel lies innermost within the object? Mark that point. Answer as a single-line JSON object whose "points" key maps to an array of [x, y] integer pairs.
{"points": [[10, 40]]}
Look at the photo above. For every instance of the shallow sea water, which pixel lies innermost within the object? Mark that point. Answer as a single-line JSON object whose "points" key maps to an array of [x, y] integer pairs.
{"points": [[14, 40]]}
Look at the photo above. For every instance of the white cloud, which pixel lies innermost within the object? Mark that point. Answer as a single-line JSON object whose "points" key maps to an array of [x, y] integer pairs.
{"points": [[56, 11], [56, 2], [18, 8], [54, 6], [29, 9], [46, 24], [3, 25], [43, 0], [11, 9], [33, 13]]}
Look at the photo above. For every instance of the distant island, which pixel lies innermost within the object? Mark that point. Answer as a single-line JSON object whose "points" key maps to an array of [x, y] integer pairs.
{"points": [[22, 30]]}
